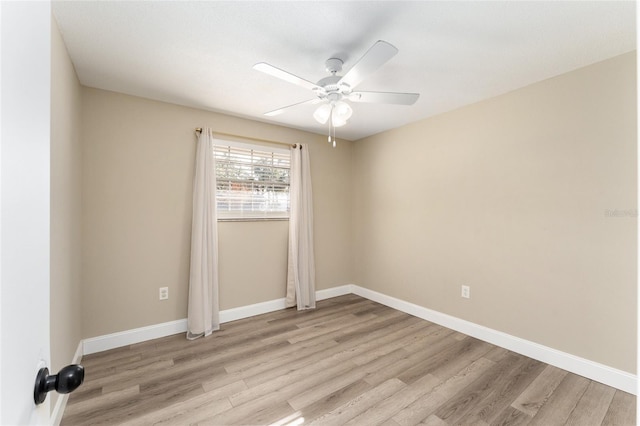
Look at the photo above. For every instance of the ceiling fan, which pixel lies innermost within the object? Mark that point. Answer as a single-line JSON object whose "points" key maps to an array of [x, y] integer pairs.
{"points": [[334, 90]]}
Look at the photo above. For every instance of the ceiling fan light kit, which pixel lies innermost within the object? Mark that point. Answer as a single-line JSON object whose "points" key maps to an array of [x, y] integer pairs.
{"points": [[333, 91], [339, 112], [323, 113]]}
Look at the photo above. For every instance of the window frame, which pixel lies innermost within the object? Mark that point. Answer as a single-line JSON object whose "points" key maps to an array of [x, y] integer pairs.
{"points": [[251, 216]]}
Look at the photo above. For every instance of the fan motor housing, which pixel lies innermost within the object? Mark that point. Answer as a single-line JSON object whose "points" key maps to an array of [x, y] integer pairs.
{"points": [[329, 83], [332, 90]]}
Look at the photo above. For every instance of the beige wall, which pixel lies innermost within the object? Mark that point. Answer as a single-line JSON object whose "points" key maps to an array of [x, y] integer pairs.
{"points": [[510, 196], [137, 183], [66, 215]]}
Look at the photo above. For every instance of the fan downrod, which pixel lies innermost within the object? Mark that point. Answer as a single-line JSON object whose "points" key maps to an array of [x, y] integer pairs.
{"points": [[333, 65]]}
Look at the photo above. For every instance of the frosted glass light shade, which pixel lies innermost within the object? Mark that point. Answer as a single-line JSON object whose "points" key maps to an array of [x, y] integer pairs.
{"points": [[340, 114], [338, 122], [322, 113], [342, 110]]}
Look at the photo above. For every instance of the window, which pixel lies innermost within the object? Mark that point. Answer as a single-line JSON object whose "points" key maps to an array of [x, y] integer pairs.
{"points": [[252, 181]]}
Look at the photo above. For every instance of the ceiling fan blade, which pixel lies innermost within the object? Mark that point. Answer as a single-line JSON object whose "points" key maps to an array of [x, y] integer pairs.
{"points": [[377, 55], [283, 109], [286, 76], [385, 97]]}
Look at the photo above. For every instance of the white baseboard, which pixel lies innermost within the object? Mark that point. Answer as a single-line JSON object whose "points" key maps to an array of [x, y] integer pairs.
{"points": [[241, 312], [601, 373], [595, 371], [61, 403], [136, 335], [334, 292], [234, 314]]}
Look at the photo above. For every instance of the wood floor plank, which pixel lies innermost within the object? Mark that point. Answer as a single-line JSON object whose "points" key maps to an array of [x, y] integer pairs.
{"points": [[305, 389], [384, 343], [426, 405], [622, 411], [435, 333], [562, 401], [133, 407], [101, 369], [258, 399], [267, 369], [364, 331], [111, 358], [511, 417], [539, 390], [503, 391], [389, 422], [293, 419], [183, 413], [325, 308], [386, 322], [343, 351], [447, 362], [496, 354], [101, 401], [337, 312], [168, 375], [226, 390], [385, 409], [268, 361], [333, 400], [268, 415], [593, 405], [318, 316], [223, 343], [433, 344], [284, 384], [466, 403], [293, 365], [220, 379], [271, 359], [222, 350], [306, 333], [350, 361], [433, 420], [121, 377], [351, 409], [356, 374]]}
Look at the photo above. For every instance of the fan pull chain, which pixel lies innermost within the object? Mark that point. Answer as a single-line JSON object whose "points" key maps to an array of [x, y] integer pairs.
{"points": [[334, 137], [331, 126]]}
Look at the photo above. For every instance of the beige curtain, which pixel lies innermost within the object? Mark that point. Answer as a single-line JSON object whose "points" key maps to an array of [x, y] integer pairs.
{"points": [[203, 315], [301, 272]]}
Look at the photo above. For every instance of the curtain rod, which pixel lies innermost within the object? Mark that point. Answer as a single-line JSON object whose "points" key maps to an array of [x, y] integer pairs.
{"points": [[295, 145]]}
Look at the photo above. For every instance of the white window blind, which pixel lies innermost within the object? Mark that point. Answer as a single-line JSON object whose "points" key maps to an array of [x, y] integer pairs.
{"points": [[252, 181]]}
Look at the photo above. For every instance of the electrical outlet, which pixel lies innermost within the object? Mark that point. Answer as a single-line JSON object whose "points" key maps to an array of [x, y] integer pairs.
{"points": [[466, 292], [164, 293]]}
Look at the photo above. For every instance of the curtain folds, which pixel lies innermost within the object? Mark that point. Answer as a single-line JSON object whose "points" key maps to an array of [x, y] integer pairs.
{"points": [[301, 271], [203, 311]]}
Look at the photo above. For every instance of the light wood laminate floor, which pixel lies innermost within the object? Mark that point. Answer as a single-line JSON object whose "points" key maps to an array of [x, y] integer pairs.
{"points": [[349, 362]]}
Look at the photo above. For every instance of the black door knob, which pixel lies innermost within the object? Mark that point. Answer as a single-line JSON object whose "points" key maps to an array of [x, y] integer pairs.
{"points": [[67, 380]]}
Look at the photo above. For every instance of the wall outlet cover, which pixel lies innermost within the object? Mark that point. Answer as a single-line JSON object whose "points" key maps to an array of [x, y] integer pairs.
{"points": [[164, 293], [466, 292]]}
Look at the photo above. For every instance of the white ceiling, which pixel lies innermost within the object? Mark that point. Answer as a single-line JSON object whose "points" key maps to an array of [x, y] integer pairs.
{"points": [[200, 54]]}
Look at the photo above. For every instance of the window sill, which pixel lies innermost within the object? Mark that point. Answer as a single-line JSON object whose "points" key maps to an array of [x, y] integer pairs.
{"points": [[252, 219]]}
